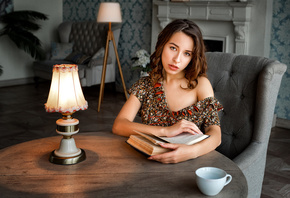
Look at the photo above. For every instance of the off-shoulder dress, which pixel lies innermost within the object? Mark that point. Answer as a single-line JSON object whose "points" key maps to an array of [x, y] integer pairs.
{"points": [[155, 111]]}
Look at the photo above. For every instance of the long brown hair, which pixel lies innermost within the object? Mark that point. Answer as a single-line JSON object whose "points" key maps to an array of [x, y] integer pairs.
{"points": [[197, 66]]}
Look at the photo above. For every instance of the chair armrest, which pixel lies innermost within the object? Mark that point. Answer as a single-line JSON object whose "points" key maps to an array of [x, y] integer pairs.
{"points": [[99, 61], [250, 155]]}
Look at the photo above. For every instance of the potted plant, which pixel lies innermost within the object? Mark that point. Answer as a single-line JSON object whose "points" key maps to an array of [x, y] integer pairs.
{"points": [[142, 61], [19, 26]]}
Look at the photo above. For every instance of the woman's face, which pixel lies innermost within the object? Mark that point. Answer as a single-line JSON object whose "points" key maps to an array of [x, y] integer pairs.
{"points": [[177, 53]]}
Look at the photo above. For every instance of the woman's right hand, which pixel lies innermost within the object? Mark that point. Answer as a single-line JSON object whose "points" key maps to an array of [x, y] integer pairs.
{"points": [[180, 127]]}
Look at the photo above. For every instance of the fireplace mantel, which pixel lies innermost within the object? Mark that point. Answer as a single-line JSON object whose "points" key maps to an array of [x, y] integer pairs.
{"points": [[237, 13]]}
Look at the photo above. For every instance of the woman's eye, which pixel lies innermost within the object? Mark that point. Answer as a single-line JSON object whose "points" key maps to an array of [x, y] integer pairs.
{"points": [[173, 48], [187, 54]]}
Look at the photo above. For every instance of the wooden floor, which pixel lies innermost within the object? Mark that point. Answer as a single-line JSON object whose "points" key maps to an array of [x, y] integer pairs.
{"points": [[23, 118], [277, 175]]}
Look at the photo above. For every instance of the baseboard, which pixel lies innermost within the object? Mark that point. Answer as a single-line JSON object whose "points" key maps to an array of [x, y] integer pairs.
{"points": [[19, 81], [283, 123]]}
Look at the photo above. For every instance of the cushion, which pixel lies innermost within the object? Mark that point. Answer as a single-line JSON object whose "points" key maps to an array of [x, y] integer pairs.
{"points": [[60, 50], [78, 58], [98, 58], [99, 54]]}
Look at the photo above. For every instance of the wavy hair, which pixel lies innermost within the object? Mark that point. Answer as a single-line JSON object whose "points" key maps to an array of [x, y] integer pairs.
{"points": [[197, 66]]}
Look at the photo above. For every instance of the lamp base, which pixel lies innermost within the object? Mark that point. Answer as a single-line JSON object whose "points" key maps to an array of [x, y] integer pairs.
{"points": [[67, 160]]}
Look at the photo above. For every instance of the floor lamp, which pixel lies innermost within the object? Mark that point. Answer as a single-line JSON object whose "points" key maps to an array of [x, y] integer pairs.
{"points": [[109, 12]]}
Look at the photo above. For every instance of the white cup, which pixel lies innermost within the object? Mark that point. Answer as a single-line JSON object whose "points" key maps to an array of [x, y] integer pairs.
{"points": [[211, 180]]}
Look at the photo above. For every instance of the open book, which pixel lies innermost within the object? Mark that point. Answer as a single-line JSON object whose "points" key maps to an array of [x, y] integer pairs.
{"points": [[149, 143]]}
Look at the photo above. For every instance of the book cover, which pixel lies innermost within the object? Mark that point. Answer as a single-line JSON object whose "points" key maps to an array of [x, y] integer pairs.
{"points": [[145, 146]]}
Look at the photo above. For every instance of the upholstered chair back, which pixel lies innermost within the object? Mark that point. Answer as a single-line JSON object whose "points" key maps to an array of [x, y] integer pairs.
{"points": [[88, 36], [247, 87], [234, 80]]}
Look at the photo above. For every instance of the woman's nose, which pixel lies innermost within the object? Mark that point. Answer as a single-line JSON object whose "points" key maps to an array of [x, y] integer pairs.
{"points": [[177, 57]]}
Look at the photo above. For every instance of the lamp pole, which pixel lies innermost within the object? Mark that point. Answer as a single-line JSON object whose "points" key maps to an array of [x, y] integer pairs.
{"points": [[110, 37]]}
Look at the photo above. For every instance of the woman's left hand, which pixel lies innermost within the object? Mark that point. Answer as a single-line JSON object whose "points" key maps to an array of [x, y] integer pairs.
{"points": [[179, 153]]}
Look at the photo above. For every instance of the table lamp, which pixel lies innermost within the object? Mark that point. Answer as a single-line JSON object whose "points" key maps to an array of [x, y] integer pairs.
{"points": [[109, 12], [66, 97]]}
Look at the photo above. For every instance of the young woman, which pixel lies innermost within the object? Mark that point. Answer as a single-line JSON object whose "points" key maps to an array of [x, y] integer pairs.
{"points": [[177, 97]]}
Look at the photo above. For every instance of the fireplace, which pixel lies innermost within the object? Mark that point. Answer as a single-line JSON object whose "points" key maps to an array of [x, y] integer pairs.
{"points": [[231, 24], [213, 45]]}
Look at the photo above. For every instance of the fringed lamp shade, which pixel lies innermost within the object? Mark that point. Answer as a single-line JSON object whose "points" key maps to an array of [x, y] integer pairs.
{"points": [[65, 95]]}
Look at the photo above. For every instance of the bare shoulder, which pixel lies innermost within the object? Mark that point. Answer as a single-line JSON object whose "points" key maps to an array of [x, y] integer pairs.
{"points": [[203, 80], [204, 88]]}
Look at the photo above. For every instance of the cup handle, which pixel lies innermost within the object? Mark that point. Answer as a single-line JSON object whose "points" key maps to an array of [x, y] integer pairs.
{"points": [[228, 179]]}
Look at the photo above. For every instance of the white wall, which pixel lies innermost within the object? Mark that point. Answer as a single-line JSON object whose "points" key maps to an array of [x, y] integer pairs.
{"points": [[260, 27], [17, 65]]}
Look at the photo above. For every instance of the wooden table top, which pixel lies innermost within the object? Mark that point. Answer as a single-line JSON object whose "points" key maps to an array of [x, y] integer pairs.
{"points": [[112, 169]]}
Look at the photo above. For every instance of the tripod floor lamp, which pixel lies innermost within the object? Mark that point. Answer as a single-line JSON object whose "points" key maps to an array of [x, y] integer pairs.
{"points": [[109, 12]]}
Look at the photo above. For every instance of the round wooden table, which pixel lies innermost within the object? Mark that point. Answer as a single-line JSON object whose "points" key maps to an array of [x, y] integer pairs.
{"points": [[112, 169]]}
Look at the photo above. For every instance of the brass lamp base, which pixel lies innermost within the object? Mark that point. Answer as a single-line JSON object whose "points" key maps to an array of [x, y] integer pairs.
{"points": [[67, 160]]}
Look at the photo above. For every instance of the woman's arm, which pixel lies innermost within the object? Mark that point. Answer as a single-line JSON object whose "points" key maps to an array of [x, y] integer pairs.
{"points": [[210, 143], [205, 90], [182, 152], [124, 123]]}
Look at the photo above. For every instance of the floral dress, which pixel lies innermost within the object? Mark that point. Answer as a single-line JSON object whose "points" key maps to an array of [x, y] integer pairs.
{"points": [[154, 109]]}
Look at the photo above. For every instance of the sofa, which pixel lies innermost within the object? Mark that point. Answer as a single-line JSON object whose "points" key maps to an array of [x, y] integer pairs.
{"points": [[81, 43], [247, 87]]}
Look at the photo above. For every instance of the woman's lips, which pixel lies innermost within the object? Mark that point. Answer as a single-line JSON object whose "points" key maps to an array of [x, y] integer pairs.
{"points": [[173, 67]]}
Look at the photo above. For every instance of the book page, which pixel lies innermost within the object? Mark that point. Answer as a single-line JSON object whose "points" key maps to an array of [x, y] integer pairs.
{"points": [[154, 139], [185, 138]]}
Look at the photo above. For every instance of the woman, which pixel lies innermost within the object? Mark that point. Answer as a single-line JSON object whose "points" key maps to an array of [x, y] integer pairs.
{"points": [[177, 97]]}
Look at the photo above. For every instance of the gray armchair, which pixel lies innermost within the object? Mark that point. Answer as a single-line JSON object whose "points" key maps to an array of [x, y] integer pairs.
{"points": [[82, 43], [247, 87]]}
